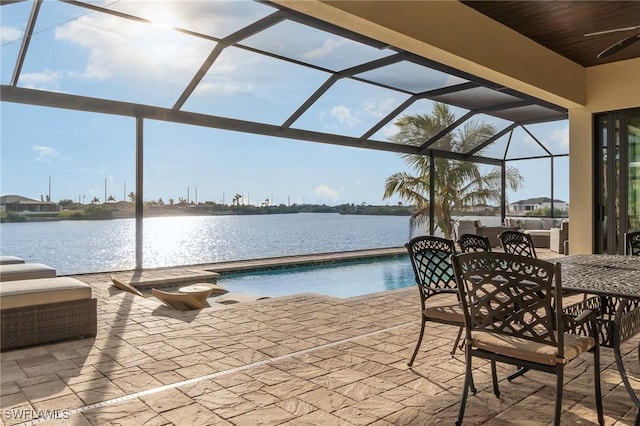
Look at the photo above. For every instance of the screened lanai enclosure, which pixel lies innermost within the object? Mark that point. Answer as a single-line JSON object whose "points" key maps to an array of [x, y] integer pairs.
{"points": [[135, 69]]}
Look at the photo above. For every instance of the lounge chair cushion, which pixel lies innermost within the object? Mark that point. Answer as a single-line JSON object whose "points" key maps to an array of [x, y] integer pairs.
{"points": [[10, 260], [26, 271], [21, 293]]}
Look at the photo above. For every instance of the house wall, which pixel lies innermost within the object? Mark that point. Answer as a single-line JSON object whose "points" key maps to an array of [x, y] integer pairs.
{"points": [[608, 87]]}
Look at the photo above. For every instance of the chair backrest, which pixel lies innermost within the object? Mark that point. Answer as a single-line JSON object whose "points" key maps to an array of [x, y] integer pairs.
{"points": [[431, 262], [632, 243], [471, 243], [518, 243], [510, 295]]}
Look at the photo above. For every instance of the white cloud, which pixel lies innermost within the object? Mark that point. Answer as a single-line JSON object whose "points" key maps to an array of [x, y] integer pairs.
{"points": [[390, 130], [46, 79], [327, 48], [343, 115], [217, 88], [45, 153], [118, 47], [9, 34], [379, 109], [561, 138], [325, 191]]}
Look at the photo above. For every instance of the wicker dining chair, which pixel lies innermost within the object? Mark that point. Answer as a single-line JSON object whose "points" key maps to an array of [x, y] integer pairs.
{"points": [[430, 259], [470, 243], [632, 243], [513, 314], [518, 243]]}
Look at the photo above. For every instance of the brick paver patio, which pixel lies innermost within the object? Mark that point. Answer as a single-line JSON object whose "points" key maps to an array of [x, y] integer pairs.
{"points": [[299, 360]]}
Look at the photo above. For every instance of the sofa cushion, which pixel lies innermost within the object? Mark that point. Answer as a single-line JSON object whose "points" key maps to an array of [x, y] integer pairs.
{"points": [[26, 271], [532, 224], [548, 223], [510, 222], [10, 260], [533, 232], [20, 293]]}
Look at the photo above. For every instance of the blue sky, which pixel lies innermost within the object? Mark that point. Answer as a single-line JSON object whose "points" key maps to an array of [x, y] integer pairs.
{"points": [[77, 51]]}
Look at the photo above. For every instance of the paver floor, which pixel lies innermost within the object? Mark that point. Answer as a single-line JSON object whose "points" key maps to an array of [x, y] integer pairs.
{"points": [[298, 360]]}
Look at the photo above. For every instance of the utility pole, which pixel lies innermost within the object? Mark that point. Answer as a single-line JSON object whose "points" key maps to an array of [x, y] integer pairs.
{"points": [[105, 191], [187, 194], [196, 195], [49, 196]]}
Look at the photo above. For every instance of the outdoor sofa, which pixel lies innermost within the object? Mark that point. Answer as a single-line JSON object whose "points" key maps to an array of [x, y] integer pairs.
{"points": [[538, 228], [44, 309], [476, 227], [559, 238]]}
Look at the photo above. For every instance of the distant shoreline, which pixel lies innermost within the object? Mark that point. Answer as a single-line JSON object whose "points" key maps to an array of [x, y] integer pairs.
{"points": [[107, 212]]}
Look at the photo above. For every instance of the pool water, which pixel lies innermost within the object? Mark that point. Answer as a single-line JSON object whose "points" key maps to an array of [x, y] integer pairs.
{"points": [[343, 279]]}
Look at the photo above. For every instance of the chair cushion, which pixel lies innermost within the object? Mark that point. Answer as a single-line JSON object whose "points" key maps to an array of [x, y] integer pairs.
{"points": [[524, 349], [20, 293], [449, 314], [26, 271]]}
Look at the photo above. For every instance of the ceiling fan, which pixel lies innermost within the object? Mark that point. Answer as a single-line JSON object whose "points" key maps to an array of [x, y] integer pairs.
{"points": [[622, 44]]}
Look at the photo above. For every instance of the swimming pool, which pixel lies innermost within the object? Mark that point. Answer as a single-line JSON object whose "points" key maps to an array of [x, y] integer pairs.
{"points": [[342, 279]]}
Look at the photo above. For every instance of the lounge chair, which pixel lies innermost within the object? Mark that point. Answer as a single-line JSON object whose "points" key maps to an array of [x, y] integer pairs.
{"points": [[10, 260], [179, 301], [121, 285], [26, 271], [46, 310]]}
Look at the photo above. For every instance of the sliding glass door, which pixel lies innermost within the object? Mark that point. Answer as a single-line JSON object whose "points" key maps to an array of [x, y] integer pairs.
{"points": [[617, 178]]}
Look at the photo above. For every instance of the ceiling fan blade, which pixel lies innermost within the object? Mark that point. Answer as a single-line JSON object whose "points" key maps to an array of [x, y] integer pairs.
{"points": [[616, 30], [622, 44]]}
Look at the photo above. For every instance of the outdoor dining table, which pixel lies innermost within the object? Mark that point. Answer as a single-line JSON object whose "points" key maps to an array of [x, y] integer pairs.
{"points": [[615, 279]]}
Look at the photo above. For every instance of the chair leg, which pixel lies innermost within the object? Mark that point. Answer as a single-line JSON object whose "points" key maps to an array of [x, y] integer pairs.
{"points": [[494, 378], [455, 344], [468, 382], [415, 352], [598, 387], [559, 385]]}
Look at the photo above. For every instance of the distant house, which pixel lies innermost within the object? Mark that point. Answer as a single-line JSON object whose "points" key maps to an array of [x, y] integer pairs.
{"points": [[531, 204], [19, 204]]}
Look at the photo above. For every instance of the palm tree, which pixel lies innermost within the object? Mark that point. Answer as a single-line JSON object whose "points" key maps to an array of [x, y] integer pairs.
{"points": [[457, 184]]}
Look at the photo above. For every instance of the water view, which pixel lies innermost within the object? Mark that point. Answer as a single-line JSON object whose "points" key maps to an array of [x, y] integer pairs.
{"points": [[104, 245], [109, 245]]}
